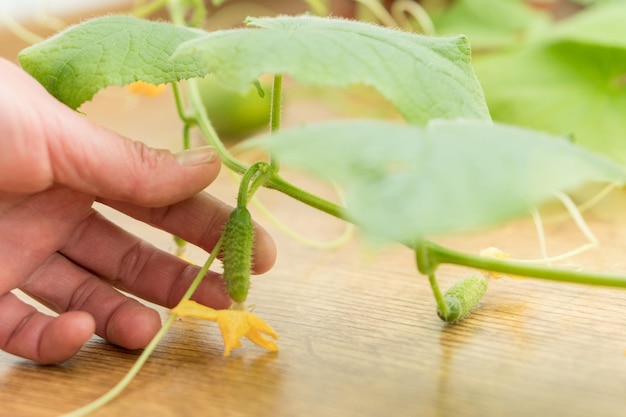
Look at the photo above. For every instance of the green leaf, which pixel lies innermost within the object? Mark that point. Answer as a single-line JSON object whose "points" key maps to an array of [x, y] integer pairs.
{"points": [[425, 77], [113, 50], [572, 83], [566, 89], [491, 23], [601, 25], [405, 182]]}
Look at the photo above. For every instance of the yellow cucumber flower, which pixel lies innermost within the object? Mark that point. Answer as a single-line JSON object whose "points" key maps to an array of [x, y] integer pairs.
{"points": [[495, 253], [234, 324], [146, 89]]}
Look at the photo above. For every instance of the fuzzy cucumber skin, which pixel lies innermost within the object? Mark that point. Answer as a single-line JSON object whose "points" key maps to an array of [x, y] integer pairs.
{"points": [[237, 253], [463, 297]]}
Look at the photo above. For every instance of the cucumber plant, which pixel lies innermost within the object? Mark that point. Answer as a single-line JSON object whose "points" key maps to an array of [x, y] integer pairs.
{"points": [[238, 236], [447, 168]]}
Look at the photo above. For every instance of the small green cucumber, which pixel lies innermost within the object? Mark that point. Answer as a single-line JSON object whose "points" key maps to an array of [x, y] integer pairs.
{"points": [[237, 253], [463, 296]]}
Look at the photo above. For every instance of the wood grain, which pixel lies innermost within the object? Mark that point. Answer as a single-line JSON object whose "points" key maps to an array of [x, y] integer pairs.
{"points": [[359, 337], [359, 333]]}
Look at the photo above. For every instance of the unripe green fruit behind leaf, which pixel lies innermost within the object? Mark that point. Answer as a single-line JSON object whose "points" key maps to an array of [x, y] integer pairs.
{"points": [[234, 115]]}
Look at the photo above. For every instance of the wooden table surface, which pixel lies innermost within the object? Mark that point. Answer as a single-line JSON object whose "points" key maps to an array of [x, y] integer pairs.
{"points": [[358, 331]]}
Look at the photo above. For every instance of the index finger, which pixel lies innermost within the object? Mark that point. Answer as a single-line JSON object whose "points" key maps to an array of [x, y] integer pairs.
{"points": [[199, 220]]}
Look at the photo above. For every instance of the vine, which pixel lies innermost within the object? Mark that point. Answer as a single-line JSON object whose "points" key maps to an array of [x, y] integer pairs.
{"points": [[449, 140]]}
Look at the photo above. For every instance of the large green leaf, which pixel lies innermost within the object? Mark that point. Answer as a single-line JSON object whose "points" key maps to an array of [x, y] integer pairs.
{"points": [[113, 50], [573, 82], [425, 77], [491, 23], [404, 181], [601, 25], [565, 88]]}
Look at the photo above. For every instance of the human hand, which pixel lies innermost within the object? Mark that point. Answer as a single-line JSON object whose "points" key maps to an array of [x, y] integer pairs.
{"points": [[54, 164]]}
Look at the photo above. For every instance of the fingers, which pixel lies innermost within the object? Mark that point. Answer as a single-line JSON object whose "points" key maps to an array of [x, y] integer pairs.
{"points": [[64, 286], [35, 228], [133, 265], [30, 334], [45, 142], [199, 220]]}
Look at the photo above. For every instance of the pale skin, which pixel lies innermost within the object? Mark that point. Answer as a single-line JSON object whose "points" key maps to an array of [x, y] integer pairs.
{"points": [[54, 164]]}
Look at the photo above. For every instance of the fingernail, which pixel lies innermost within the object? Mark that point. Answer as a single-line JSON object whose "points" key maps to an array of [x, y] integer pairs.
{"points": [[197, 156]]}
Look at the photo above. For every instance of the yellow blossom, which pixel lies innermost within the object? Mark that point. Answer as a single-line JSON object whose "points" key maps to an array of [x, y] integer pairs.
{"points": [[495, 253], [234, 324], [146, 89]]}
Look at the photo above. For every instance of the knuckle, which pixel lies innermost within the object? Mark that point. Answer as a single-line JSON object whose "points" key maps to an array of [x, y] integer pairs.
{"points": [[132, 263]]}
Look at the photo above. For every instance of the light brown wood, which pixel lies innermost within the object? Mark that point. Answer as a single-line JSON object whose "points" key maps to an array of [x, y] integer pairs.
{"points": [[359, 333]]}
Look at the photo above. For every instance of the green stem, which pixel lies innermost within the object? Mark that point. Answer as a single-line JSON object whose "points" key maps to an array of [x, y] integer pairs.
{"points": [[199, 13], [148, 9], [130, 375], [277, 99], [208, 131], [182, 114], [279, 184], [319, 7], [274, 181], [245, 189], [188, 121], [426, 265], [437, 255], [186, 137], [442, 306], [204, 124], [379, 11], [179, 7], [134, 370], [203, 271], [265, 173], [177, 12], [181, 244], [275, 112]]}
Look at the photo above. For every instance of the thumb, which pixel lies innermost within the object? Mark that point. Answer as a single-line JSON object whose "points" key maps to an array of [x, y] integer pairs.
{"points": [[45, 143], [101, 163]]}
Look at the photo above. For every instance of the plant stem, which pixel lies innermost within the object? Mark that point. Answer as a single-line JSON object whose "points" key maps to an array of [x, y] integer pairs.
{"points": [[437, 255], [130, 375], [176, 12], [148, 9], [245, 189], [319, 7], [204, 124], [203, 271], [186, 137], [134, 370], [265, 172], [274, 181], [442, 306], [182, 115], [199, 13], [187, 120], [277, 99], [400, 7], [275, 111], [18, 30], [277, 183], [379, 11], [208, 131]]}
